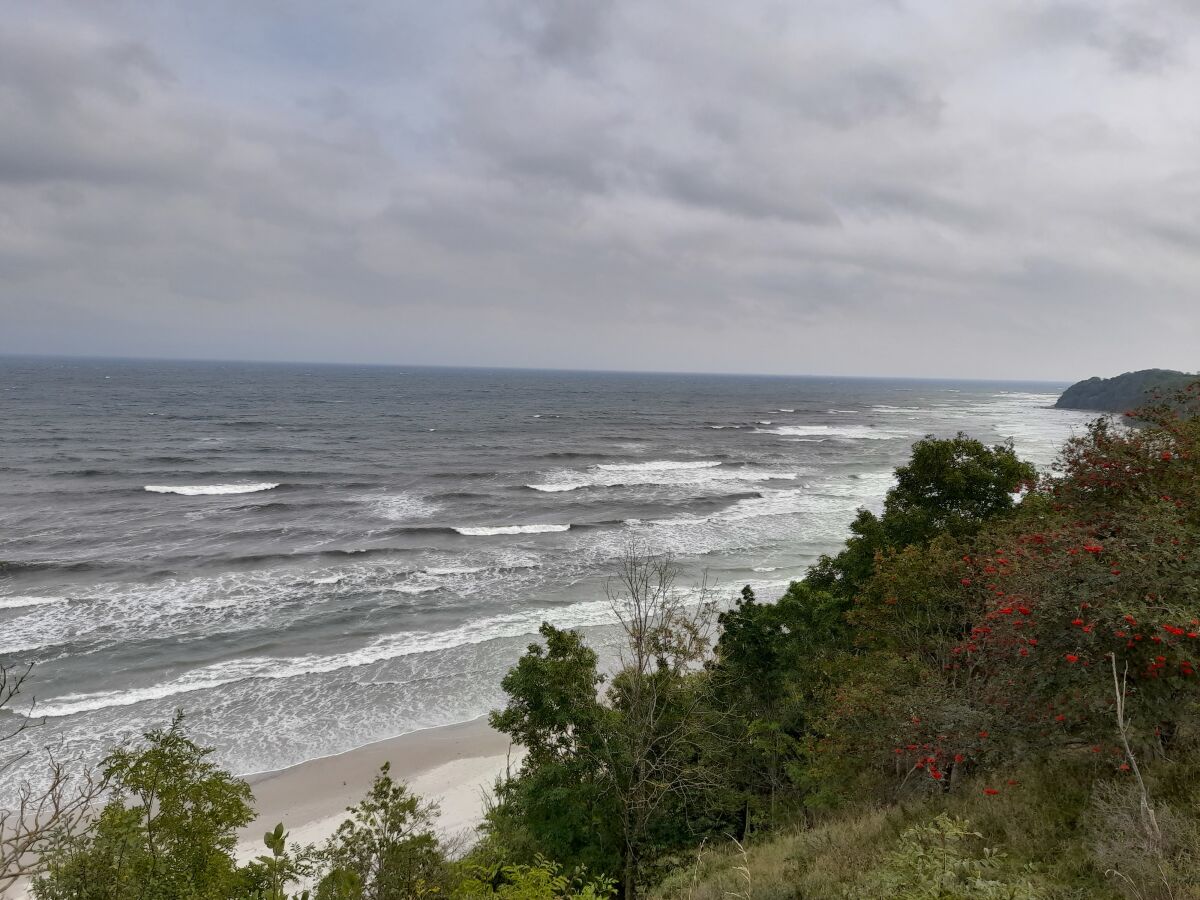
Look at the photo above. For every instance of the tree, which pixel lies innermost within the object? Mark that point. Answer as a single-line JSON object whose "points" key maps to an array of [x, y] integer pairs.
{"points": [[168, 830], [559, 805], [600, 776], [652, 744], [386, 850], [949, 487], [41, 812], [751, 675]]}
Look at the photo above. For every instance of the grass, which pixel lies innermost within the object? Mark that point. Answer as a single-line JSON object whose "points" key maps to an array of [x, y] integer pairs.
{"points": [[1031, 840]]}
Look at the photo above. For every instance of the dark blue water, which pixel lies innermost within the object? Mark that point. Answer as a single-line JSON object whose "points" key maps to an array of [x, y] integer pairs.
{"points": [[307, 558]]}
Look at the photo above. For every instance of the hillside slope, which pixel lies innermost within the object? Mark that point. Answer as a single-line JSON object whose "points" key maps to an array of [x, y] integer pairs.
{"points": [[1124, 392]]}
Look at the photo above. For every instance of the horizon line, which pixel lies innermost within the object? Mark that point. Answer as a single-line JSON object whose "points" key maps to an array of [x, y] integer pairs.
{"points": [[513, 368]]}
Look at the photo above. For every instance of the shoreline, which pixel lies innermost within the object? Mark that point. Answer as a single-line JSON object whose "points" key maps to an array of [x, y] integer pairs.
{"points": [[452, 765]]}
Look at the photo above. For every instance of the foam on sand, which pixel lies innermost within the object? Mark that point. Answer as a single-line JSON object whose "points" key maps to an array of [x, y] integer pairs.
{"points": [[201, 490]]}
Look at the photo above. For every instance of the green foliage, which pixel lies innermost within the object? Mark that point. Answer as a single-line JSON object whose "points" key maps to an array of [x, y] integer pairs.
{"points": [[1131, 390], [559, 805], [386, 849], [541, 881], [268, 876], [949, 487], [167, 832], [552, 697], [942, 860]]}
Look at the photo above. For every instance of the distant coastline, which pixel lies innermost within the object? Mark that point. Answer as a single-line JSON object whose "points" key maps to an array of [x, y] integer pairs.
{"points": [[1123, 392]]}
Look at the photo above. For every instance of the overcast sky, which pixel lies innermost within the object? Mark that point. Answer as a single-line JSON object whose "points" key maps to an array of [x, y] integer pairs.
{"points": [[896, 187]]}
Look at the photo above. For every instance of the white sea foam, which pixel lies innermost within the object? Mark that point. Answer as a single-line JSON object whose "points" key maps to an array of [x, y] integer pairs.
{"points": [[327, 579], [765, 569], [379, 650], [660, 465], [22, 602], [786, 410], [198, 490], [454, 570], [765, 422], [414, 587], [486, 530], [665, 472], [843, 432], [400, 507], [863, 486]]}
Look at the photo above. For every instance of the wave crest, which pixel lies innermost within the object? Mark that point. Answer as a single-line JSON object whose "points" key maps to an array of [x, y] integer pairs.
{"points": [[488, 530], [22, 602], [200, 490]]}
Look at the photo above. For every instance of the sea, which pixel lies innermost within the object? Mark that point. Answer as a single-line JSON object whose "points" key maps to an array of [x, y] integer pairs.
{"points": [[308, 558]]}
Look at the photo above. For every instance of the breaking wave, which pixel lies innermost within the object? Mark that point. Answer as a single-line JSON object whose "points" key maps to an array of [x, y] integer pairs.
{"points": [[380, 650], [199, 490], [22, 602], [486, 530]]}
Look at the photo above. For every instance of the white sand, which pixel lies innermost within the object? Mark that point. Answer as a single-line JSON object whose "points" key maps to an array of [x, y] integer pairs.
{"points": [[456, 766]]}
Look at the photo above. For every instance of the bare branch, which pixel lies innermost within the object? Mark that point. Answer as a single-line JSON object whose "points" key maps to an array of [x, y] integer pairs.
{"points": [[43, 813]]}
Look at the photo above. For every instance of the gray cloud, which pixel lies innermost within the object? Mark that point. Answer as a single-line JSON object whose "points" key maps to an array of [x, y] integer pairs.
{"points": [[869, 187]]}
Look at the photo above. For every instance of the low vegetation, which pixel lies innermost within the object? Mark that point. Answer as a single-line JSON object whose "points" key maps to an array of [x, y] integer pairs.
{"points": [[991, 692]]}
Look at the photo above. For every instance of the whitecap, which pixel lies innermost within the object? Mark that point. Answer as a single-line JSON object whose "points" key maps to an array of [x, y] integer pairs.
{"points": [[197, 490], [663, 472], [660, 465], [413, 588], [487, 530], [850, 432], [22, 602]]}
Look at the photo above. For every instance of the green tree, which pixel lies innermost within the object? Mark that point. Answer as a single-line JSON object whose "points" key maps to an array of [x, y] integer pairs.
{"points": [[750, 678], [386, 850], [559, 805], [949, 487], [639, 754], [541, 881], [168, 830]]}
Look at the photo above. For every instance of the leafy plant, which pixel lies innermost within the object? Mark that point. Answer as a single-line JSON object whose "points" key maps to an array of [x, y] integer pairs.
{"points": [[943, 860], [168, 830], [386, 849]]}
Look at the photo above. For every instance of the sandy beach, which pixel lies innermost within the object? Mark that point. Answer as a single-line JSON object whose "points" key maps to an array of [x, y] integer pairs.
{"points": [[455, 765]]}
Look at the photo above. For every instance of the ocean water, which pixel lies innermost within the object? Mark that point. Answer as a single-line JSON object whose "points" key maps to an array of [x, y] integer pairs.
{"points": [[309, 558]]}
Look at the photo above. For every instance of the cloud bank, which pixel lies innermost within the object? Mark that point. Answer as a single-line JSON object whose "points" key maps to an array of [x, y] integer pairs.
{"points": [[903, 187]]}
